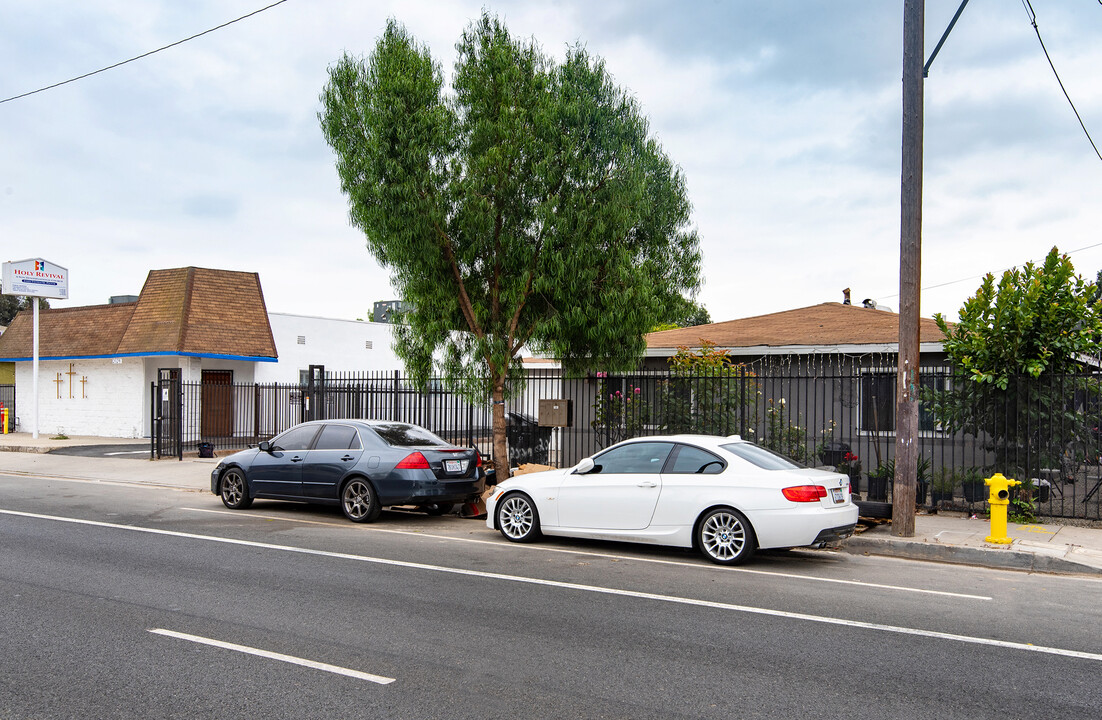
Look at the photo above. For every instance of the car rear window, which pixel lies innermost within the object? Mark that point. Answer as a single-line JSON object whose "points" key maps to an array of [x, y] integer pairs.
{"points": [[402, 435], [757, 455]]}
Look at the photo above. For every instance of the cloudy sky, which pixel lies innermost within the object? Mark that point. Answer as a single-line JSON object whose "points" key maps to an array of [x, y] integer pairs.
{"points": [[784, 116]]}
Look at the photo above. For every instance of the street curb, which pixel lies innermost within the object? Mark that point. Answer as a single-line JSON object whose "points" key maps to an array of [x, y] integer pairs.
{"points": [[38, 450], [1006, 559]]}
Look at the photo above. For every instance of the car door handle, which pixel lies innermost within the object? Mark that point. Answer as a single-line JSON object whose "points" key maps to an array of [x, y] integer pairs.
{"points": [[296, 458], [346, 458], [648, 483]]}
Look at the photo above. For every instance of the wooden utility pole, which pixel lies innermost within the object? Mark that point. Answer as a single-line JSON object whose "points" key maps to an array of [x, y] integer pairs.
{"points": [[910, 273]]}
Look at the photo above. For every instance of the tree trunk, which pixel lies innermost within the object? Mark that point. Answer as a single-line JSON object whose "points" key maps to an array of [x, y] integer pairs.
{"points": [[501, 446]]}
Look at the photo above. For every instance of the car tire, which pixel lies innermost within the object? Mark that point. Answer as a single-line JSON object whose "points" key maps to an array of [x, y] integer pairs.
{"points": [[437, 509], [235, 490], [359, 501], [726, 537], [517, 519]]}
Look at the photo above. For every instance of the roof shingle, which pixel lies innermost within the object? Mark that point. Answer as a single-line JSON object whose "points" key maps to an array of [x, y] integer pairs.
{"points": [[828, 324], [180, 311]]}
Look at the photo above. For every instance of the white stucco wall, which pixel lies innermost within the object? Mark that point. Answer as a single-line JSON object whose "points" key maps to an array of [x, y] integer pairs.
{"points": [[100, 397], [339, 345]]}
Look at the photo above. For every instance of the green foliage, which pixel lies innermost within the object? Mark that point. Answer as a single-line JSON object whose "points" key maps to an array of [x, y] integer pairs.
{"points": [[1037, 320], [886, 470], [707, 394], [10, 305], [945, 480], [784, 436], [619, 415], [684, 313], [1010, 352], [529, 206]]}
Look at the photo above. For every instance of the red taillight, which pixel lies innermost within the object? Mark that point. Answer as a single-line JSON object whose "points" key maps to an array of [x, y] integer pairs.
{"points": [[414, 461], [477, 459], [805, 493]]}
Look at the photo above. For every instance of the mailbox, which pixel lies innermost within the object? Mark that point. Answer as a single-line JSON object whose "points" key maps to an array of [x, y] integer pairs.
{"points": [[556, 413]]}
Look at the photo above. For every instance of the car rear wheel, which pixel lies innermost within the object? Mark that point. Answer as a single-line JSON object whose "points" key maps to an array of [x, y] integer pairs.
{"points": [[517, 518], [726, 537], [235, 491], [359, 501]]}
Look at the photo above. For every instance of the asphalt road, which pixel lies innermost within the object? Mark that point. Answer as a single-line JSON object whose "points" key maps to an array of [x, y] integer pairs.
{"points": [[131, 601]]}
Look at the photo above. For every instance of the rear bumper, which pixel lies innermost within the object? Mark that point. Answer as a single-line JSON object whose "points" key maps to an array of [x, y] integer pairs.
{"points": [[430, 491], [831, 535]]}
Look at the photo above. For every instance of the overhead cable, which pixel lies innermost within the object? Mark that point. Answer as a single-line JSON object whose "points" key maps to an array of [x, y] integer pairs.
{"points": [[143, 55]]}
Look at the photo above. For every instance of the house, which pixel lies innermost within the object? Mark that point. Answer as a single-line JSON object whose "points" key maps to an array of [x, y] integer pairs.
{"points": [[98, 365], [839, 331]]}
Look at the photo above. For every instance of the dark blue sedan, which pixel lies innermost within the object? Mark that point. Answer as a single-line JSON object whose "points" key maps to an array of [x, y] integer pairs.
{"points": [[362, 465]]}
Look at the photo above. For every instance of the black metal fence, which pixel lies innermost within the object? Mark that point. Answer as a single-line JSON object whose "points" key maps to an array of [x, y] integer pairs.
{"points": [[7, 402], [817, 411]]}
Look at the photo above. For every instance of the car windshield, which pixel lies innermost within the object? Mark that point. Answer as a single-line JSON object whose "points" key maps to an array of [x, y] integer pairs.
{"points": [[757, 455], [402, 435]]}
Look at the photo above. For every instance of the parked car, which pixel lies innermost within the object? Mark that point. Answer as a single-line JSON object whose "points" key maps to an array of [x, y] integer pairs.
{"points": [[362, 465], [723, 495]]}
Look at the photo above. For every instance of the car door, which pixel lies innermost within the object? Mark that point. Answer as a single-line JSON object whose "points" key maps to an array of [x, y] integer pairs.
{"points": [[278, 472], [336, 451], [621, 491]]}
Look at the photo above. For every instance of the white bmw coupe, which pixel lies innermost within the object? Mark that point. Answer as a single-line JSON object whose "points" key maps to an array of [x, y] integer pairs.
{"points": [[724, 495]]}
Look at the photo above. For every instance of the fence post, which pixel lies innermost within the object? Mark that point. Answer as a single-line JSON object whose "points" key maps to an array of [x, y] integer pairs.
{"points": [[742, 401], [395, 415], [256, 412], [153, 421]]}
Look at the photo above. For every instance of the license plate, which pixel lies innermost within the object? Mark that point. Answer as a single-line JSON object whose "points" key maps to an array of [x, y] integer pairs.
{"points": [[455, 466], [837, 495]]}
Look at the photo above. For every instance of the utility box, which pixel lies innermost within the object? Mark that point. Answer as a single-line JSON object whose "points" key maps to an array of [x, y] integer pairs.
{"points": [[556, 413]]}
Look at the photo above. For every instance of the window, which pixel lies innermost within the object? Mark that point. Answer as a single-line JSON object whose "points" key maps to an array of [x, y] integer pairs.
{"points": [[640, 457], [402, 435], [338, 437], [691, 459], [878, 401], [298, 438], [761, 457]]}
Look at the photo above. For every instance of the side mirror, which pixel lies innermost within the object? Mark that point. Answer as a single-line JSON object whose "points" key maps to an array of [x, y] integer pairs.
{"points": [[264, 446], [584, 467]]}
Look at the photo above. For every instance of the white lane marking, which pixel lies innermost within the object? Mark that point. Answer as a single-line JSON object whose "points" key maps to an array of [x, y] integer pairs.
{"points": [[275, 656], [1028, 647], [128, 452], [585, 553]]}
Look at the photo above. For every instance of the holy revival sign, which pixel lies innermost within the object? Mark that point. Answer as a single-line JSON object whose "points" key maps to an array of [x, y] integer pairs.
{"points": [[36, 278]]}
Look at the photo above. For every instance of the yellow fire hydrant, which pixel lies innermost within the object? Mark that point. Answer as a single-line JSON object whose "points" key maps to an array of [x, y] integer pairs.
{"points": [[999, 500]]}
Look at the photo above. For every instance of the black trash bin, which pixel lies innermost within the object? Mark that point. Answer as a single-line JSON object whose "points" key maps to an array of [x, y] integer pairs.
{"points": [[833, 453], [528, 441], [206, 450]]}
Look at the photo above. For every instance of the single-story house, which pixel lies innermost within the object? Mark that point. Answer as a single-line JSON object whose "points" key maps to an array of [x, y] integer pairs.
{"points": [[98, 364]]}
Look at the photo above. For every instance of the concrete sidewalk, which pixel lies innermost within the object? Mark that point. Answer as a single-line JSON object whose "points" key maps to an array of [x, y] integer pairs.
{"points": [[1051, 547]]}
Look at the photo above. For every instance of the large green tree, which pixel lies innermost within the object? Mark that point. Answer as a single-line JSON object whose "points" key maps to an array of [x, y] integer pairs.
{"points": [[528, 206], [1017, 353]]}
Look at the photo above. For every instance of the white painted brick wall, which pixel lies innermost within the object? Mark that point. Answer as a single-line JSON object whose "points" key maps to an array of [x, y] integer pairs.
{"points": [[108, 403]]}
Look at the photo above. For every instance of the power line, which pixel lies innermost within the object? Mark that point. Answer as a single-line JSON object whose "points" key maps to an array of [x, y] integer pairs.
{"points": [[143, 55], [977, 277], [1033, 21]]}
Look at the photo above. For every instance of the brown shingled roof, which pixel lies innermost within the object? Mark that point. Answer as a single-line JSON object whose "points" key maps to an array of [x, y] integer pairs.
{"points": [[183, 310], [67, 332], [819, 325]]}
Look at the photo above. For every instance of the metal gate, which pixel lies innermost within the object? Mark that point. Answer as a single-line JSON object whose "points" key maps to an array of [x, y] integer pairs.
{"points": [[166, 412]]}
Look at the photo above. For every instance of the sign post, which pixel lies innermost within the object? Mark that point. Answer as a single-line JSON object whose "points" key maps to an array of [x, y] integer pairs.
{"points": [[35, 278]]}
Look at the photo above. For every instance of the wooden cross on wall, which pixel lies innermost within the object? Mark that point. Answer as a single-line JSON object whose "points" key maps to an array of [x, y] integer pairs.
{"points": [[71, 374], [59, 380]]}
